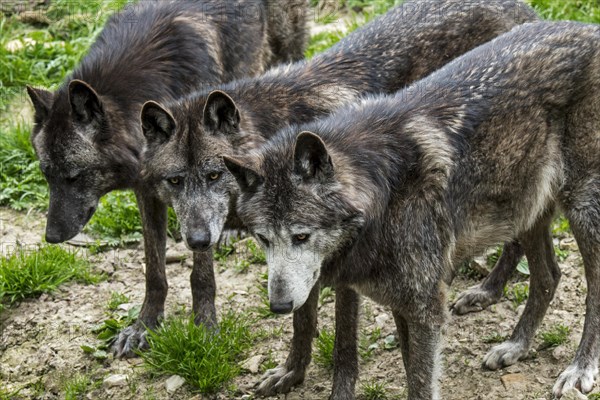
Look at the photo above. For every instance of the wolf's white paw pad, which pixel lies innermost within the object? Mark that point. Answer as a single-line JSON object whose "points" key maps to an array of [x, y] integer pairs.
{"points": [[503, 355], [474, 299], [279, 380], [575, 377]]}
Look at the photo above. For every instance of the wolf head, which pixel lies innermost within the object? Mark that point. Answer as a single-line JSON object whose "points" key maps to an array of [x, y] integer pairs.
{"points": [[294, 204], [80, 155], [183, 163]]}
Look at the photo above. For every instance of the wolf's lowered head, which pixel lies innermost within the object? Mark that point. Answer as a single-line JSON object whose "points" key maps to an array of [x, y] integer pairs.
{"points": [[81, 153], [294, 205], [182, 163]]}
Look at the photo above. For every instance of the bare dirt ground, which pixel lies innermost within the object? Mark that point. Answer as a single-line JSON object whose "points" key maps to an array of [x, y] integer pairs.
{"points": [[40, 339]]}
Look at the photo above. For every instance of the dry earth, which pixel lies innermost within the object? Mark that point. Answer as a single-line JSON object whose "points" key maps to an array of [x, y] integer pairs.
{"points": [[40, 339]]}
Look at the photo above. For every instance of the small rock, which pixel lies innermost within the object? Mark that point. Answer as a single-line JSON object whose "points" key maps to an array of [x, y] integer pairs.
{"points": [[253, 364], [573, 394], [381, 319], [520, 310], [511, 381], [560, 353], [568, 244], [293, 396], [173, 383], [115, 380]]}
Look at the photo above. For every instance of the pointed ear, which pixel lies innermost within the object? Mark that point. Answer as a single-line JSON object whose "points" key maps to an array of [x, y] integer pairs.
{"points": [[247, 178], [311, 159], [42, 102], [221, 114], [157, 123], [85, 103]]}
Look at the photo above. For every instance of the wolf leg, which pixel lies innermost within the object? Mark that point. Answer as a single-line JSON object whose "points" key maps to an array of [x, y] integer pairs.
{"points": [[545, 275], [402, 327], [204, 289], [291, 373], [345, 359], [154, 221], [489, 291], [420, 346], [585, 223]]}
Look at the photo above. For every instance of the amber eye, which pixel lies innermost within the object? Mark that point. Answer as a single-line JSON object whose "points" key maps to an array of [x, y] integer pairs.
{"points": [[214, 176], [299, 239], [174, 181]]}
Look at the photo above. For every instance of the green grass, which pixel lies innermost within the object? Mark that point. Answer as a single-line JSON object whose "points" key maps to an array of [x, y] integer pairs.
{"points": [[22, 184], [518, 294], [576, 10], [555, 336], [206, 359], [116, 299], [76, 387], [28, 273], [374, 391], [495, 337], [324, 349]]}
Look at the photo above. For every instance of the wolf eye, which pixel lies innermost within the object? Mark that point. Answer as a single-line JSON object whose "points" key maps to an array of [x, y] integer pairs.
{"points": [[262, 239], [302, 238], [214, 176], [174, 181]]}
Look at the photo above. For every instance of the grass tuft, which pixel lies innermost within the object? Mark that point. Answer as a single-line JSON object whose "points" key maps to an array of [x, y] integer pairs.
{"points": [[77, 386], [374, 391], [22, 184], [205, 358], [30, 272], [555, 336], [324, 349]]}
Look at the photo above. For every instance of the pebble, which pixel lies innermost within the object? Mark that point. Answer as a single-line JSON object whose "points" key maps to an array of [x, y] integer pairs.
{"points": [[173, 383], [381, 319], [573, 394], [115, 380], [511, 381], [253, 364]]}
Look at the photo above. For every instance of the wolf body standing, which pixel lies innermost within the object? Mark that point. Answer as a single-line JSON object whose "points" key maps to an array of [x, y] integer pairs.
{"points": [[387, 197], [87, 134], [185, 139]]}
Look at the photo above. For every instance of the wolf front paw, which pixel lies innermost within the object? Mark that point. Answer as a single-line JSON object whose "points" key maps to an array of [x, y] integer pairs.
{"points": [[575, 377], [279, 380], [474, 299], [129, 340], [505, 354]]}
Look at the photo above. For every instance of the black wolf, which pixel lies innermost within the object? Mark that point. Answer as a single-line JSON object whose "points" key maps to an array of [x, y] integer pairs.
{"points": [[87, 134], [387, 196], [185, 139]]}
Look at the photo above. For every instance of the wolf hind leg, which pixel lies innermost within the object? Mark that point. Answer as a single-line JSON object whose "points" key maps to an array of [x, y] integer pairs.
{"points": [[545, 275], [584, 218], [490, 290]]}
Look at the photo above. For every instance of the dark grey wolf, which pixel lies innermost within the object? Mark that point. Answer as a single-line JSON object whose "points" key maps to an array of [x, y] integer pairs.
{"points": [[87, 134], [387, 196], [185, 139]]}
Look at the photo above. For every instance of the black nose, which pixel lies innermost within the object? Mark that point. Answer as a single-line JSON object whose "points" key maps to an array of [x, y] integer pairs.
{"points": [[199, 240], [53, 237], [282, 308]]}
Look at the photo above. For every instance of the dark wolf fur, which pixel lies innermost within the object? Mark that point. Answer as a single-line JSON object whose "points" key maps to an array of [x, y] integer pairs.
{"points": [[388, 196], [183, 163], [87, 134]]}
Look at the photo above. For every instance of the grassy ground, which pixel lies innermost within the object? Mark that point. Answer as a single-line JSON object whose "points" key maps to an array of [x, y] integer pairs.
{"points": [[40, 49]]}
